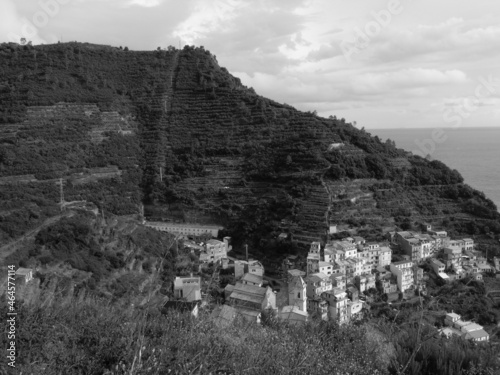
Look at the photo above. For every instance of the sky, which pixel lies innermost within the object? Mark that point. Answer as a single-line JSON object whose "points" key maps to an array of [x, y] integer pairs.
{"points": [[384, 64]]}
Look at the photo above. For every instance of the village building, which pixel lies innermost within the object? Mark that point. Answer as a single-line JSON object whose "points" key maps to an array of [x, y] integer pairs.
{"points": [[293, 315], [360, 282], [376, 255], [297, 293], [337, 302], [251, 300], [354, 308], [24, 275], [370, 281], [188, 288], [317, 283], [251, 279], [186, 229], [404, 273], [339, 281], [437, 266], [217, 250], [348, 248], [465, 329], [313, 260], [318, 305], [252, 266], [477, 336], [291, 274], [453, 259], [326, 268], [352, 293]]}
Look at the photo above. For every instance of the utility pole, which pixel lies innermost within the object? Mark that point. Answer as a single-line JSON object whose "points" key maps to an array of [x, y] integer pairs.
{"points": [[161, 175], [61, 193], [246, 252]]}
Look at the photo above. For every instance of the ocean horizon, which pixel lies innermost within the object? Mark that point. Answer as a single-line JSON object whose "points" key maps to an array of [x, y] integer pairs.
{"points": [[474, 152]]}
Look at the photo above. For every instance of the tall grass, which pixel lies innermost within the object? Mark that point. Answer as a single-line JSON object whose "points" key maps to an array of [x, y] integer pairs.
{"points": [[66, 335]]}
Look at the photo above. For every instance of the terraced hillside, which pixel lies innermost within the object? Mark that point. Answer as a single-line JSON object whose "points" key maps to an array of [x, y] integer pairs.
{"points": [[175, 131]]}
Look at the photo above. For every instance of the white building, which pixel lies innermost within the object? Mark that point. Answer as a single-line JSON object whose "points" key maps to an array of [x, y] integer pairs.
{"points": [[404, 273]]}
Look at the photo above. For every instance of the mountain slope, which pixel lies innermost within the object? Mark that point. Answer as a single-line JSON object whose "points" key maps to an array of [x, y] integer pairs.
{"points": [[176, 131]]}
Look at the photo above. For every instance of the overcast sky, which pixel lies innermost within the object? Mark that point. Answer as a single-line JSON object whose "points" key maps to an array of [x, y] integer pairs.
{"points": [[384, 64]]}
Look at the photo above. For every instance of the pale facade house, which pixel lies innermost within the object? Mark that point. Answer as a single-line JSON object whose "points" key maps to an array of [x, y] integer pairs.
{"points": [[329, 253], [465, 329], [376, 256], [252, 266], [348, 248], [251, 279], [297, 293], [326, 268], [216, 250], [188, 288], [24, 274], [315, 248], [353, 308], [477, 336], [468, 244], [316, 284], [404, 273]]}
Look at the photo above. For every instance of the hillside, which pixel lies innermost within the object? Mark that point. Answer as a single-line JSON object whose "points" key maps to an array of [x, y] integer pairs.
{"points": [[112, 258], [109, 122]]}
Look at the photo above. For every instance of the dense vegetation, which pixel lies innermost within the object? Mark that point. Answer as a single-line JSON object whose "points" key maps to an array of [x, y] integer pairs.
{"points": [[92, 336]]}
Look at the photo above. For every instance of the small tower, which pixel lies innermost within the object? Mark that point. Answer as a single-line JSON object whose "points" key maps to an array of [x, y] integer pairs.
{"points": [[313, 258], [297, 293]]}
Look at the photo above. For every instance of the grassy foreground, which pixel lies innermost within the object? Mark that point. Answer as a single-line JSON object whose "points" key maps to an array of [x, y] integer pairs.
{"points": [[69, 335]]}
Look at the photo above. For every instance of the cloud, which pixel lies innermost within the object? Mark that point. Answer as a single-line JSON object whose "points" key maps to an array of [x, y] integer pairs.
{"points": [[415, 78], [146, 3], [251, 36], [14, 25]]}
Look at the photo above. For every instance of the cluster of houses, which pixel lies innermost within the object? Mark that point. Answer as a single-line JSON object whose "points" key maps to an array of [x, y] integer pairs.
{"points": [[330, 284], [464, 329], [336, 275]]}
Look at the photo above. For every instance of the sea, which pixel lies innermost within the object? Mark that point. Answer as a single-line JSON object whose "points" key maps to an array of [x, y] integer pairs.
{"points": [[474, 152]]}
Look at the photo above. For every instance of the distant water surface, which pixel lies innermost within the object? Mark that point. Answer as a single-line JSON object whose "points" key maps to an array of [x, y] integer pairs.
{"points": [[475, 153]]}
